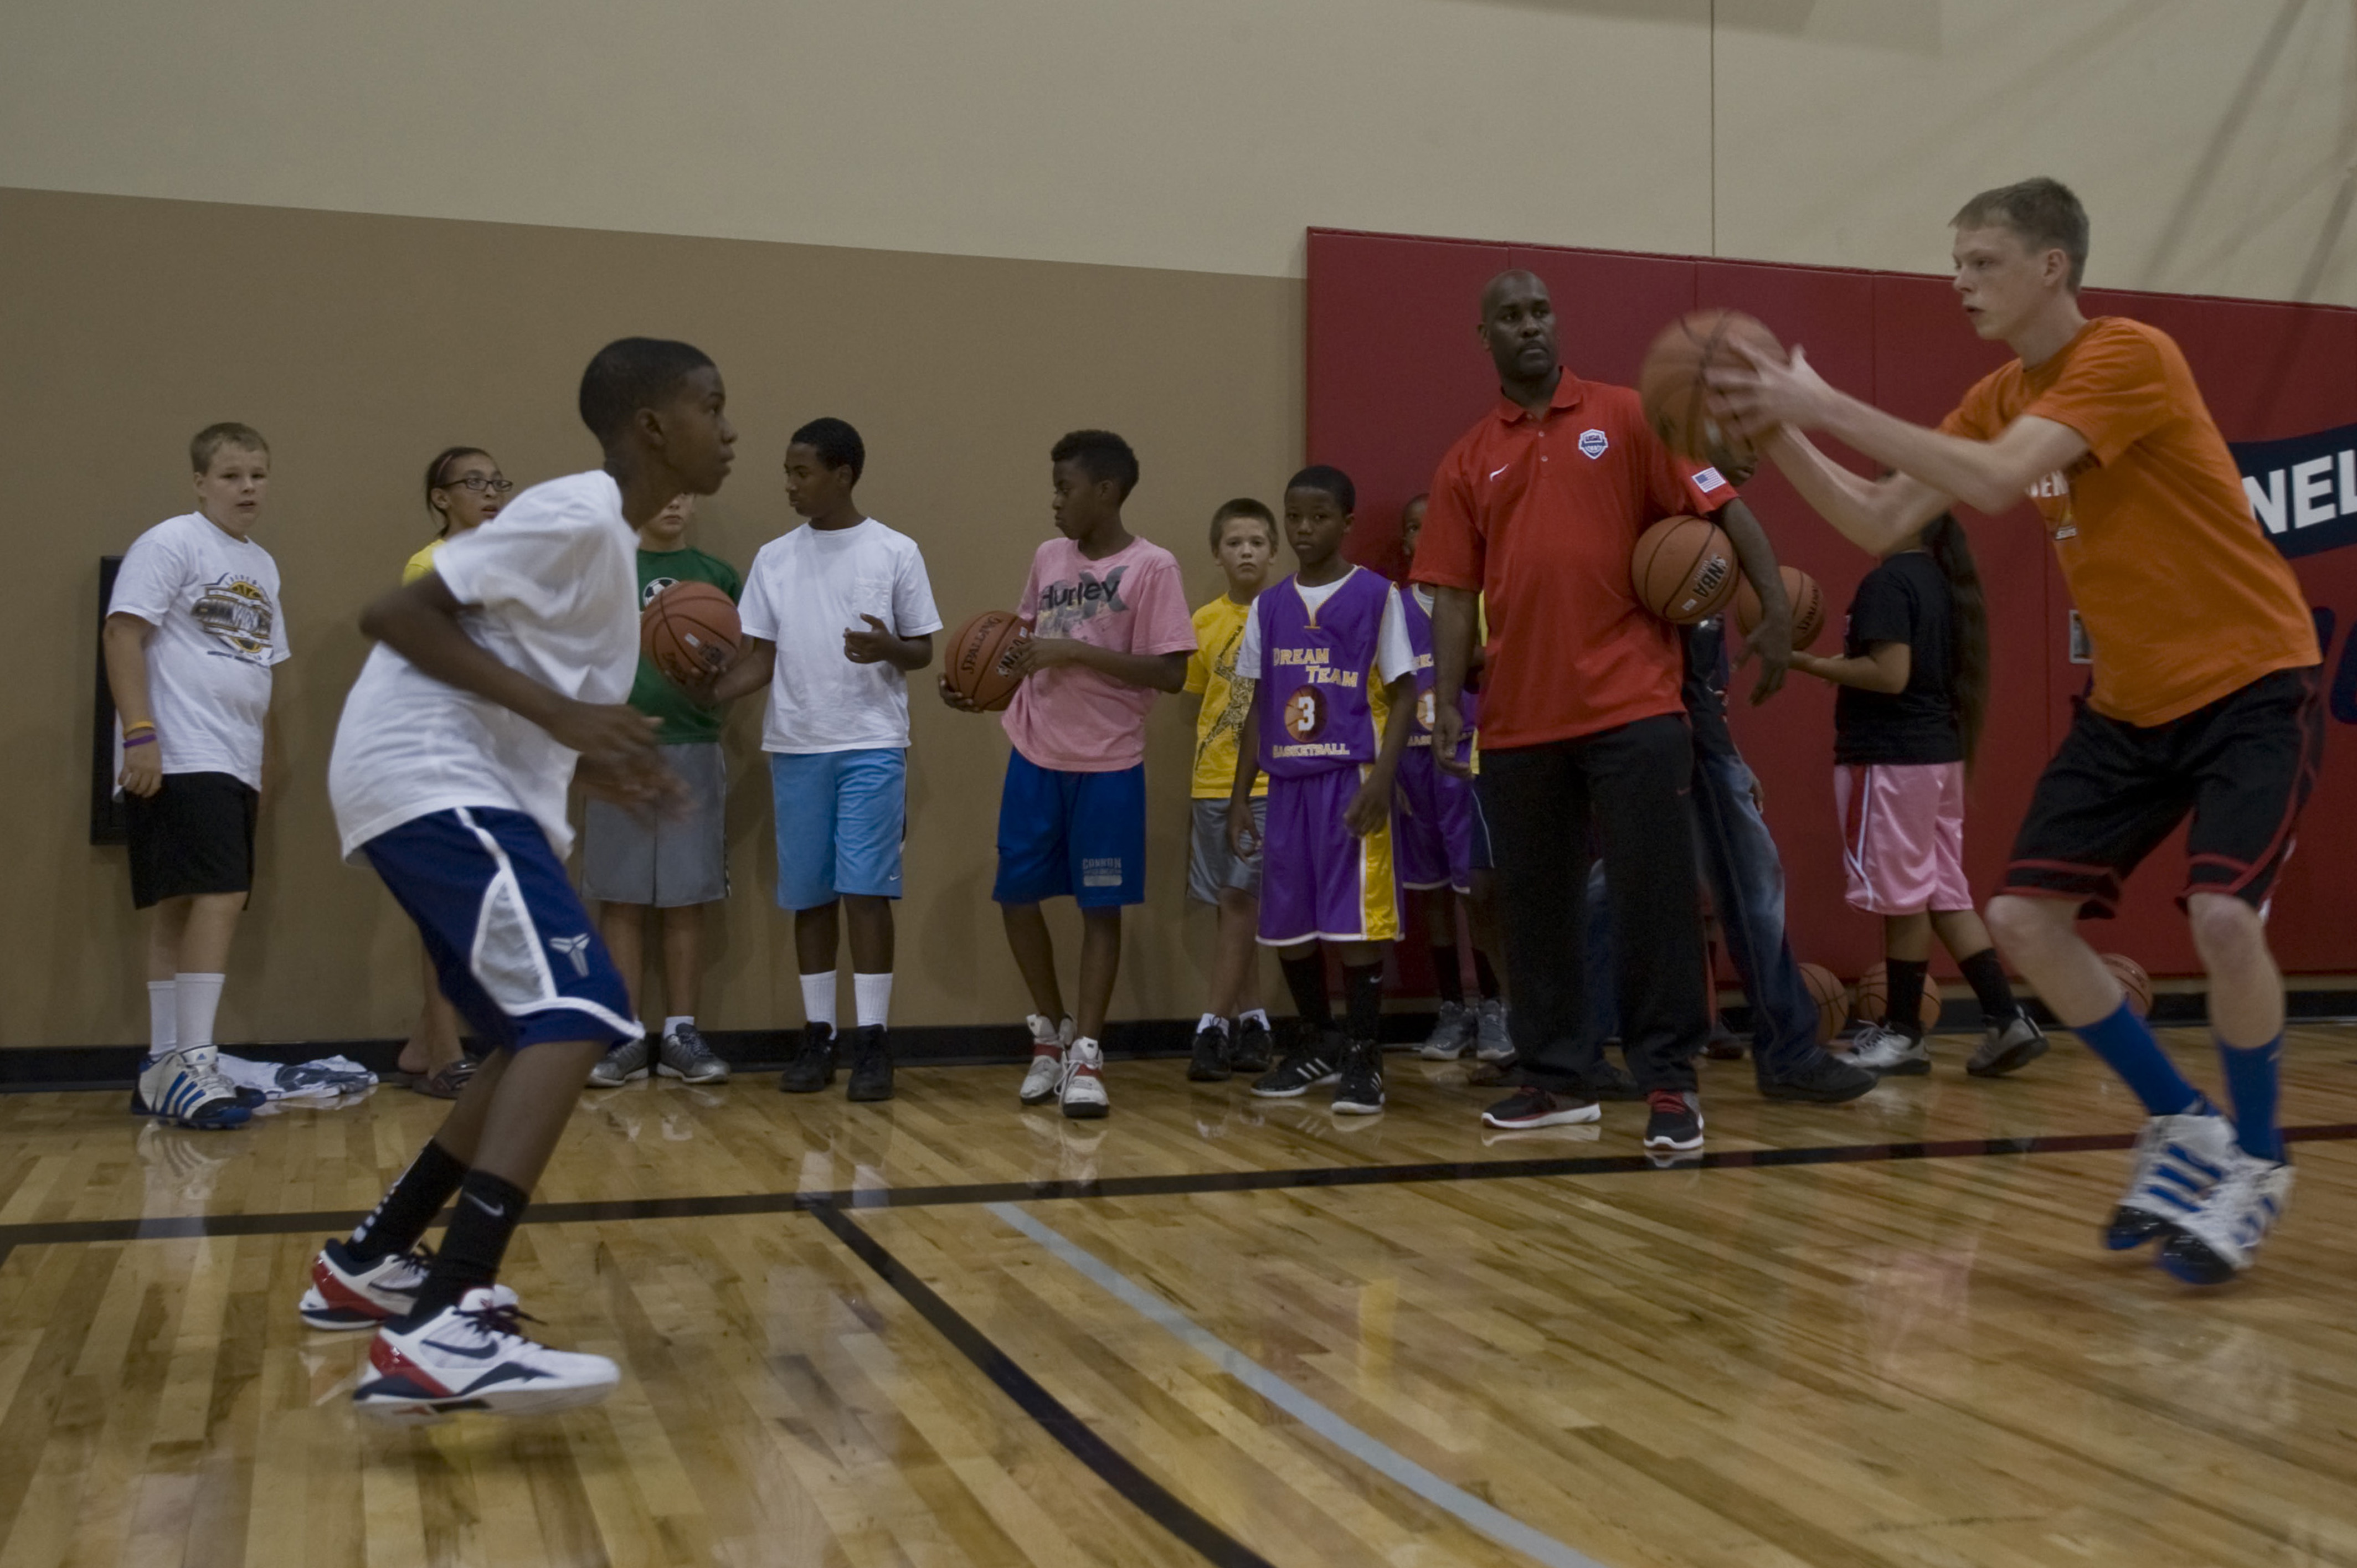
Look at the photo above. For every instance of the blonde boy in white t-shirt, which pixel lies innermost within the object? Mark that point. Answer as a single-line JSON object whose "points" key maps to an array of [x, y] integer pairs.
{"points": [[192, 632]]}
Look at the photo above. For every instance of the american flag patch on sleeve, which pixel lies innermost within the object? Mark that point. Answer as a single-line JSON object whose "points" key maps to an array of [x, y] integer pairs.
{"points": [[1709, 480]]}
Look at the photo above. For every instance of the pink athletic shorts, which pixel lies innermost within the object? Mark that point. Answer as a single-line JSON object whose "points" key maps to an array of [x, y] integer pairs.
{"points": [[1903, 836]]}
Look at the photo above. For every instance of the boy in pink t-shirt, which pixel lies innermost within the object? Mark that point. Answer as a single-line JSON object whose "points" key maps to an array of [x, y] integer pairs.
{"points": [[1110, 628]]}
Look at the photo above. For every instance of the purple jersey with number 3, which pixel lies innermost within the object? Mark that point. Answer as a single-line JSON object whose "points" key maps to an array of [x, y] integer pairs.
{"points": [[1316, 712]]}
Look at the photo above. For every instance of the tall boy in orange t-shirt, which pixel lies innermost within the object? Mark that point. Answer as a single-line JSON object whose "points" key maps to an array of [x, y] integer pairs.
{"points": [[2205, 698]]}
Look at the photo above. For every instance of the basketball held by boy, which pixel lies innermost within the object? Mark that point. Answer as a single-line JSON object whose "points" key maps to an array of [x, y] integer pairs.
{"points": [[1333, 702], [499, 678]]}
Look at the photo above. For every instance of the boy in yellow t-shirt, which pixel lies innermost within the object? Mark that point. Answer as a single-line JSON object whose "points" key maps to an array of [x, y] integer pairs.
{"points": [[1234, 1034]]}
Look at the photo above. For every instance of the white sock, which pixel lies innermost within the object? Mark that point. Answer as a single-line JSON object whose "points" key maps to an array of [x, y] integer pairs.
{"points": [[163, 1016], [1212, 1021], [198, 998], [818, 998], [671, 1023], [872, 994], [1258, 1015]]}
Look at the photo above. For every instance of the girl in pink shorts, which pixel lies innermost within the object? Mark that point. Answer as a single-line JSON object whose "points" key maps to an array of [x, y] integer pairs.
{"points": [[1915, 687]]}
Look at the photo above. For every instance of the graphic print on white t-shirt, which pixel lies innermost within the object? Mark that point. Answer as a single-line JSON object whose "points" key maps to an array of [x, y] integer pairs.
{"points": [[805, 590], [552, 591], [212, 598]]}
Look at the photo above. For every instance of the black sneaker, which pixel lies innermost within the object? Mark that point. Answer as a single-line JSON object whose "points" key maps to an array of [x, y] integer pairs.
{"points": [[1606, 1081], [1722, 1046], [1311, 1063], [1254, 1048], [812, 1068], [1676, 1122], [1531, 1106], [1361, 1090], [1210, 1063], [871, 1063], [1824, 1079]]}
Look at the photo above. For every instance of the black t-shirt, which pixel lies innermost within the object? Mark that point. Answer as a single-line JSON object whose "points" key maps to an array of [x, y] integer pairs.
{"points": [[1905, 599], [1704, 688]]}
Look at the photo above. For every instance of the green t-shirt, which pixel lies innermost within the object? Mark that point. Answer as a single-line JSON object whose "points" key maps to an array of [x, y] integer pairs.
{"points": [[683, 721]]}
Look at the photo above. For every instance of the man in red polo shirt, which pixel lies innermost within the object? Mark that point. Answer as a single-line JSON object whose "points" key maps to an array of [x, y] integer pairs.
{"points": [[1583, 720]]}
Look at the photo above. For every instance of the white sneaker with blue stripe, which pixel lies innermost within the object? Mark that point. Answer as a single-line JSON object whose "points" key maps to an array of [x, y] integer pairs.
{"points": [[2214, 1244], [185, 1089], [2178, 1160]]}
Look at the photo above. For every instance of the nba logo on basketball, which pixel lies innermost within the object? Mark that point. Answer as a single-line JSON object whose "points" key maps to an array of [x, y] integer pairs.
{"points": [[1304, 713]]}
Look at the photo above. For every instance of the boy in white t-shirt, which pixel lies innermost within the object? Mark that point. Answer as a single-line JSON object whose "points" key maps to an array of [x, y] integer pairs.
{"points": [[493, 677], [192, 632], [836, 614]]}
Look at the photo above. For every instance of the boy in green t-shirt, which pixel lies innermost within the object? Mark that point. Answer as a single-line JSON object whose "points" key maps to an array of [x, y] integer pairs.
{"points": [[676, 861]]}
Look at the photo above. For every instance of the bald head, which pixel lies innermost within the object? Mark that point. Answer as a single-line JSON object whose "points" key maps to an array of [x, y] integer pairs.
{"points": [[1513, 282], [1518, 328]]}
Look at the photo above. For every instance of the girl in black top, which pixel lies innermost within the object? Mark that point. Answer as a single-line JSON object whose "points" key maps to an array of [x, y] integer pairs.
{"points": [[1914, 688]]}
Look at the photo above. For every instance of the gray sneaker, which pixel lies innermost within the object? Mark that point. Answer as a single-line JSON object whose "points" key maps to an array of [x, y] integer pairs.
{"points": [[1493, 1043], [1887, 1052], [2016, 1045], [1452, 1036], [625, 1062], [683, 1055]]}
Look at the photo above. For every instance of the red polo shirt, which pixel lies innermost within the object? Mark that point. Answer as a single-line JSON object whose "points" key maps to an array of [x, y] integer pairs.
{"points": [[1541, 516]]}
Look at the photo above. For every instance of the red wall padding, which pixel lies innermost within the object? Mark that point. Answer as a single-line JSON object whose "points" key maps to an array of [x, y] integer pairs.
{"points": [[1395, 375]]}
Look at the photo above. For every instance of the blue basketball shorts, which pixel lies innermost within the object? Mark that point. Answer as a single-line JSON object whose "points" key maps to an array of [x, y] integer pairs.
{"points": [[1081, 835], [841, 816]]}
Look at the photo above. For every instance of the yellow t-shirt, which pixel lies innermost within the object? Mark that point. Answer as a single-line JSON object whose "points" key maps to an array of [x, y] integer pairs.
{"points": [[421, 562], [1227, 701]]}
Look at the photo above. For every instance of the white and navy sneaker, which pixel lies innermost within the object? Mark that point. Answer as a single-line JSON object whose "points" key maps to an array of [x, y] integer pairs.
{"points": [[1455, 1032], [474, 1356], [1083, 1091], [345, 1293], [2178, 1160], [185, 1089], [1044, 1079], [2214, 1242]]}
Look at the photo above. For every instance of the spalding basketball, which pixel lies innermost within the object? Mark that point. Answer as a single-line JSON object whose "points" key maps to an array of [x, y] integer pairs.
{"points": [[1683, 569], [1831, 996], [1801, 590], [978, 658], [2133, 980], [1675, 395], [1874, 997], [690, 630]]}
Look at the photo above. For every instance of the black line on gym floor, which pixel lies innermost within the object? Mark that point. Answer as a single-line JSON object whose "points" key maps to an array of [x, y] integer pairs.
{"points": [[167, 1228], [1149, 1496]]}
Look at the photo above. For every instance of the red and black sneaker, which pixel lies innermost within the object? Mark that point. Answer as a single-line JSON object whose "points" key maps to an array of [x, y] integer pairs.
{"points": [[1676, 1121], [1532, 1106]]}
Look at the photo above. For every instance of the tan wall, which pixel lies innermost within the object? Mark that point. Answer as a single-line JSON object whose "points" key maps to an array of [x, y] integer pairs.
{"points": [[360, 346], [2214, 139]]}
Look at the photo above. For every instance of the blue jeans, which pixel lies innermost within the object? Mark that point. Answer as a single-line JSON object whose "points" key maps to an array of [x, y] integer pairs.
{"points": [[1747, 887]]}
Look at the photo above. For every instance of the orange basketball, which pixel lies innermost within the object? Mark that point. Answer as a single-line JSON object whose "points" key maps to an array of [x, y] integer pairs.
{"points": [[2133, 980], [977, 667], [1874, 997], [689, 629], [1807, 599], [1831, 996], [1683, 569], [1677, 399]]}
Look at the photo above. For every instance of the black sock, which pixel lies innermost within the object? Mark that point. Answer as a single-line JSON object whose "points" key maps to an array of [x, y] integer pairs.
{"points": [[1985, 975], [1362, 987], [1306, 978], [1484, 976], [1446, 975], [1906, 1010], [408, 1207], [489, 1209]]}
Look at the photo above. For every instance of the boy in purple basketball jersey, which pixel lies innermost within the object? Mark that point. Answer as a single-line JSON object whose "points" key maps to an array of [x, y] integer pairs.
{"points": [[1332, 705]]}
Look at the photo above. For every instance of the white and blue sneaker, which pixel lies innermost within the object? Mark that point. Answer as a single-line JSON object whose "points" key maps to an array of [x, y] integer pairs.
{"points": [[2214, 1242], [345, 1293], [185, 1089], [475, 1357], [2178, 1160]]}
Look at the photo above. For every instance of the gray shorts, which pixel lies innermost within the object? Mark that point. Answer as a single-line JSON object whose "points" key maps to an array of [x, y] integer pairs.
{"points": [[1211, 869], [670, 862]]}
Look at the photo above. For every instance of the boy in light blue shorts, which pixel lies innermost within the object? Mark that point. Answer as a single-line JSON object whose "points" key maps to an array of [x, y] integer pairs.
{"points": [[836, 614]]}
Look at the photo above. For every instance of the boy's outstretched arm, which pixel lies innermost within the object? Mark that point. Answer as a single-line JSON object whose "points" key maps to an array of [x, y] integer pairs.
{"points": [[1771, 639]]}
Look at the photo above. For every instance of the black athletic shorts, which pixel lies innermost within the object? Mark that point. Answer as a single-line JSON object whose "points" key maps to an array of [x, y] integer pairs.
{"points": [[194, 835], [2243, 766]]}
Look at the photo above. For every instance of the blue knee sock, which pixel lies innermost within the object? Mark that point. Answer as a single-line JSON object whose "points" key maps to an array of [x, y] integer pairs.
{"points": [[2251, 1079], [2129, 1049]]}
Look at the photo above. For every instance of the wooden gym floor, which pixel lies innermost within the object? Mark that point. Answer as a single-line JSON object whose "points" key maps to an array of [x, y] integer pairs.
{"points": [[945, 1331]]}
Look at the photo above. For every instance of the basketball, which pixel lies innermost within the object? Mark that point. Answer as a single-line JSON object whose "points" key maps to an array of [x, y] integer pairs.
{"points": [[1807, 599], [1672, 387], [1831, 996], [977, 667], [690, 630], [1683, 569], [2133, 980], [1874, 997]]}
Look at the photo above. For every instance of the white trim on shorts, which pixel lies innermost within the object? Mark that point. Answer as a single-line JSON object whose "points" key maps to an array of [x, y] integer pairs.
{"points": [[551, 999]]}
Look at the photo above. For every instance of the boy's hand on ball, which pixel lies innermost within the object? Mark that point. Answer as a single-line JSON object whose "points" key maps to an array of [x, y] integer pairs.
{"points": [[142, 771], [1762, 393], [954, 698], [1032, 654]]}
